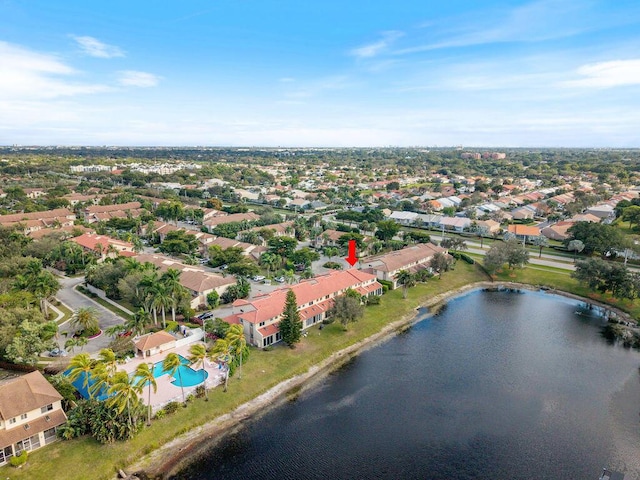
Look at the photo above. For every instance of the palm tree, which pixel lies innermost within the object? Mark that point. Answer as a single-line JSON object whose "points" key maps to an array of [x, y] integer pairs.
{"points": [[80, 365], [86, 319], [198, 354], [123, 394], [144, 374], [171, 364], [405, 279], [138, 322], [108, 358], [101, 378], [161, 300], [222, 353], [171, 281], [148, 284], [237, 344]]}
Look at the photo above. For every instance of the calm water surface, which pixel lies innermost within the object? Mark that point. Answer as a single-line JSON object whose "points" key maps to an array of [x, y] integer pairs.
{"points": [[497, 386]]}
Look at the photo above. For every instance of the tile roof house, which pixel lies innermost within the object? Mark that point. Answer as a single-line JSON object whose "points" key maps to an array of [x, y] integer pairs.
{"points": [[104, 245], [153, 343], [212, 222], [96, 213], [34, 221], [456, 224], [260, 316], [196, 279], [30, 413], [412, 258], [558, 231], [524, 232]]}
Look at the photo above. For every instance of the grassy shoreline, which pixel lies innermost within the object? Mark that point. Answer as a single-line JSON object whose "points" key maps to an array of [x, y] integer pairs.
{"points": [[161, 447]]}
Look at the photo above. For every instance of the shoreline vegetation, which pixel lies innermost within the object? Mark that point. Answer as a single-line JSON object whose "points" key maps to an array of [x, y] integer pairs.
{"points": [[278, 375]]}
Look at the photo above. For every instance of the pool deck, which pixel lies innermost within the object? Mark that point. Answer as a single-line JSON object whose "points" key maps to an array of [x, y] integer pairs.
{"points": [[168, 392]]}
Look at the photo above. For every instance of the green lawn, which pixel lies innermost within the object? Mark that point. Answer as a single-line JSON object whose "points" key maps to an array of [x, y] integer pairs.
{"points": [[85, 458], [104, 303]]}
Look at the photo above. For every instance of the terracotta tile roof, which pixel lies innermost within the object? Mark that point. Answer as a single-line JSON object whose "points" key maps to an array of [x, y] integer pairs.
{"points": [[153, 340], [91, 241], [400, 259], [113, 208], [14, 435], [527, 230], [203, 281], [236, 217], [26, 393], [18, 217], [269, 330]]}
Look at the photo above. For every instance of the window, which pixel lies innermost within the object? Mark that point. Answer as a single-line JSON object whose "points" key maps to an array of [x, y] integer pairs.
{"points": [[46, 408], [12, 421], [262, 324], [23, 416], [5, 454]]}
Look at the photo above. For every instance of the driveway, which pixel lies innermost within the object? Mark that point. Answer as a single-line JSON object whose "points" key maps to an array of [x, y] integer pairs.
{"points": [[74, 300]]}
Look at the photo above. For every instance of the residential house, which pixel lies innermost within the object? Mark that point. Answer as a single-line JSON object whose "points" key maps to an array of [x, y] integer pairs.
{"points": [[153, 343], [195, 279], [30, 414], [34, 221], [403, 218], [260, 317], [104, 245], [412, 258], [558, 231], [604, 212], [455, 224], [524, 232], [97, 213], [211, 223], [492, 227]]}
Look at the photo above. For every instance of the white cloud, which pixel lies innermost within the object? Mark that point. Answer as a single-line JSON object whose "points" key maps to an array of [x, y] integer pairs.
{"points": [[374, 49], [29, 75], [614, 73], [95, 48], [133, 78]]}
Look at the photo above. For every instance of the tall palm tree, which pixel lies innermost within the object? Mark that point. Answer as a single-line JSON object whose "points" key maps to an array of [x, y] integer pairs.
{"points": [[405, 279], [108, 358], [101, 378], [198, 354], [85, 319], [237, 344], [80, 365], [161, 300], [123, 394], [171, 364], [144, 374], [222, 353], [171, 282], [148, 283], [138, 322]]}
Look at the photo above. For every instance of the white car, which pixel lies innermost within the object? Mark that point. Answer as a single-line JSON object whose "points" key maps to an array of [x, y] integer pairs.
{"points": [[258, 278]]}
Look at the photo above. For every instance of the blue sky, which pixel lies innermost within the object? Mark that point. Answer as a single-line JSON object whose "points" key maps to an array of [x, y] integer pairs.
{"points": [[320, 73]]}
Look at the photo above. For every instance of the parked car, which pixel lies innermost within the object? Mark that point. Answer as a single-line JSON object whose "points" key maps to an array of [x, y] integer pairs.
{"points": [[258, 278], [58, 352], [279, 279], [205, 315]]}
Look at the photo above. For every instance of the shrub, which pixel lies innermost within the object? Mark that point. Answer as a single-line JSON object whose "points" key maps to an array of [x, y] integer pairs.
{"points": [[160, 414], [373, 300], [200, 391], [18, 460], [171, 407], [333, 265], [172, 326], [190, 398]]}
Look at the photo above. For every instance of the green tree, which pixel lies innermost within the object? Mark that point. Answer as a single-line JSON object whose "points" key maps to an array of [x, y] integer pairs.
{"points": [[540, 241], [144, 374], [290, 324], [575, 246], [631, 214], [347, 309], [85, 320], [597, 237], [282, 246], [237, 344], [174, 289], [386, 230], [81, 365], [197, 356], [407, 280], [221, 353], [171, 364], [29, 341], [123, 395], [440, 263]]}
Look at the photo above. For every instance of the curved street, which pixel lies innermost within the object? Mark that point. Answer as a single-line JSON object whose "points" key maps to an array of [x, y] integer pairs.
{"points": [[75, 300]]}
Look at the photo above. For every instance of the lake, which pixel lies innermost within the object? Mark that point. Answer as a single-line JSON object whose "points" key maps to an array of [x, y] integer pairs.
{"points": [[497, 386]]}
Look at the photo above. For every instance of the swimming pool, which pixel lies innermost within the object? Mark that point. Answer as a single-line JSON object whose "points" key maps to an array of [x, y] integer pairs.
{"points": [[188, 375], [83, 389]]}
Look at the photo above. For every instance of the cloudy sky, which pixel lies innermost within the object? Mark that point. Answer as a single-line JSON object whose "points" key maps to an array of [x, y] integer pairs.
{"points": [[320, 73]]}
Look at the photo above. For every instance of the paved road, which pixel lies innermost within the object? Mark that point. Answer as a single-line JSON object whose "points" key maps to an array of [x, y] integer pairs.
{"points": [[75, 300]]}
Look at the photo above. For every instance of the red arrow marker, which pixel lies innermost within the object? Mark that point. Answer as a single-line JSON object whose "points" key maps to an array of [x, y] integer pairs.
{"points": [[352, 259]]}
